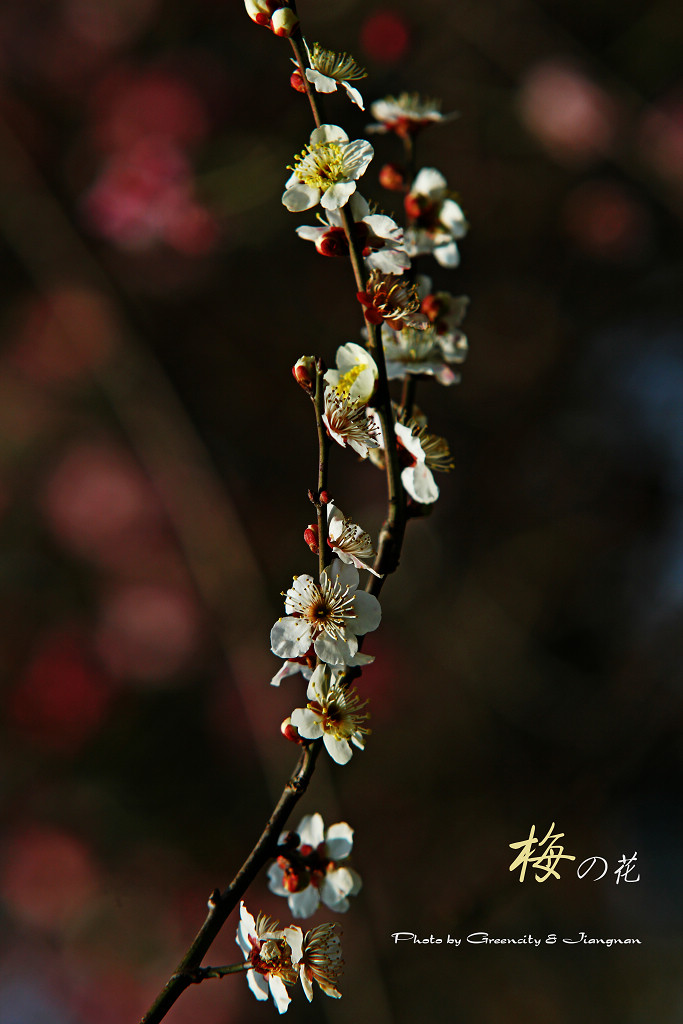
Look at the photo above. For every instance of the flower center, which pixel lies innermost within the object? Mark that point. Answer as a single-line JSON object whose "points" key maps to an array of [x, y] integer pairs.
{"points": [[348, 379], [320, 166], [339, 66]]}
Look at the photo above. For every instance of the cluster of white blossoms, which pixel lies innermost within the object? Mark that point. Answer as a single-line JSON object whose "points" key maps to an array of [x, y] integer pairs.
{"points": [[314, 868], [437, 221], [279, 957]]}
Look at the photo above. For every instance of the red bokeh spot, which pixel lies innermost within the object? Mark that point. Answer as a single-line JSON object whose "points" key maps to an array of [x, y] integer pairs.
{"points": [[48, 878], [385, 37], [97, 499], [571, 115], [64, 335], [148, 632], [131, 106], [63, 698], [606, 221]]}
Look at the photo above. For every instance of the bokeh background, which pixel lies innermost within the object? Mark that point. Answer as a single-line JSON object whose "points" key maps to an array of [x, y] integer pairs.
{"points": [[154, 461]]}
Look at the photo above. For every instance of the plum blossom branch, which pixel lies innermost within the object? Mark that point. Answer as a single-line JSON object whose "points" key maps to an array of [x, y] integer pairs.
{"points": [[222, 904], [327, 617]]}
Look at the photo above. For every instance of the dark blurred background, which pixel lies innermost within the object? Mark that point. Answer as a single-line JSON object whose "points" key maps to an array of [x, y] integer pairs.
{"points": [[154, 461]]}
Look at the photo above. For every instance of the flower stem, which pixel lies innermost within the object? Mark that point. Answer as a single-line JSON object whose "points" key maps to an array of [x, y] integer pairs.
{"points": [[203, 973], [393, 529], [323, 456], [296, 41]]}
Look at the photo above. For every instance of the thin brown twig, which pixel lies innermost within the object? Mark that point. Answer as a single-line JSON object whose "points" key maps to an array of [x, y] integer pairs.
{"points": [[222, 904]]}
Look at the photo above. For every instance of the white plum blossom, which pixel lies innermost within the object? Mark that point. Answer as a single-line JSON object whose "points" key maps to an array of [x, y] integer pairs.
{"points": [[381, 239], [328, 616], [356, 372], [437, 221], [329, 69], [389, 299], [327, 170], [347, 421], [316, 870], [320, 960], [348, 541], [421, 352], [406, 114], [427, 452], [446, 313], [267, 948], [334, 712]]}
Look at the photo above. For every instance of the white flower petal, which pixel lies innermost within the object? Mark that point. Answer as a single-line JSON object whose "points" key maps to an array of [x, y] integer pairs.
{"points": [[389, 261], [345, 575], [368, 613], [447, 255], [420, 484], [339, 750], [278, 991], [337, 195], [339, 840], [275, 876], [336, 652], [311, 830], [360, 659], [310, 233], [318, 683], [306, 984], [300, 197], [321, 82], [307, 723], [289, 668], [354, 95], [305, 903], [357, 156], [298, 592], [328, 133], [336, 886], [246, 927], [359, 206], [290, 637], [295, 939], [429, 182], [452, 218], [258, 984]]}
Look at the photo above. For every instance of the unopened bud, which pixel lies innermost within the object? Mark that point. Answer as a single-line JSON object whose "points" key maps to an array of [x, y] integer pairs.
{"points": [[311, 538], [324, 498], [392, 177], [260, 11], [332, 243], [296, 80], [290, 732], [283, 22], [431, 306], [413, 206], [304, 372]]}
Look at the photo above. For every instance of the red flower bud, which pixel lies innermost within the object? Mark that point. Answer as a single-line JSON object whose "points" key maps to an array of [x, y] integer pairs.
{"points": [[392, 177], [296, 80], [311, 538], [290, 732], [431, 306], [413, 206], [333, 243], [324, 498], [304, 372]]}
